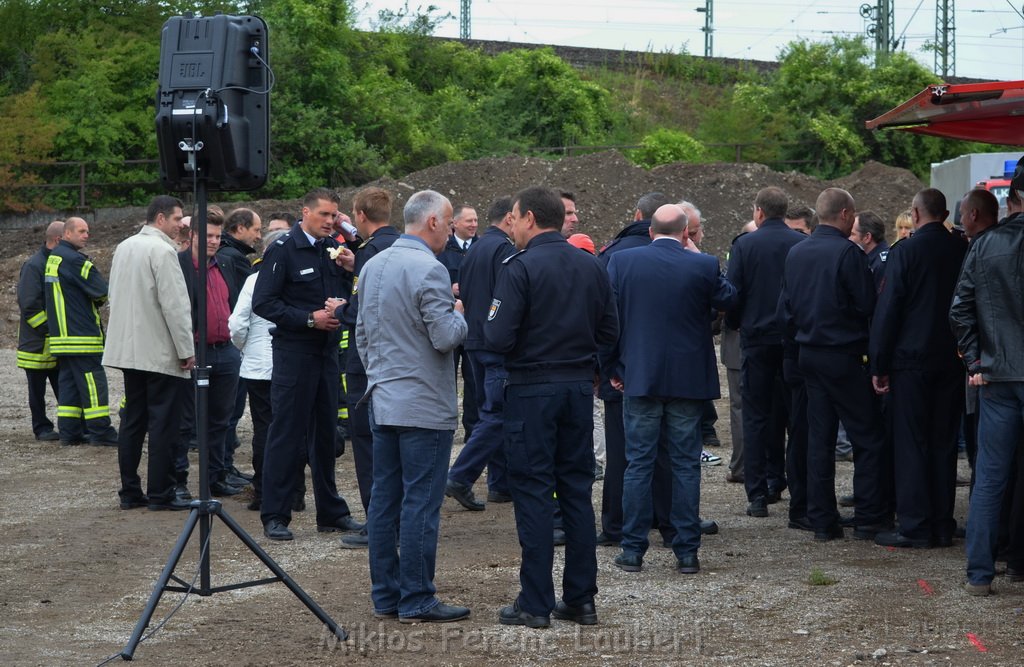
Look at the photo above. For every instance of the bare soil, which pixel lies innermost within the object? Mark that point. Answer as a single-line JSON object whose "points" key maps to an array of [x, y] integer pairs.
{"points": [[75, 571]]}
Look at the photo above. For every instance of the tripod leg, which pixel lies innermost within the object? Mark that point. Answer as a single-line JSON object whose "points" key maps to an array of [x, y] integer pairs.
{"points": [[338, 631], [161, 583]]}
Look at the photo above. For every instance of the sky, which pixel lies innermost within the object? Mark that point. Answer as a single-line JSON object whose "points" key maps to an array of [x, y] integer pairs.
{"points": [[989, 33]]}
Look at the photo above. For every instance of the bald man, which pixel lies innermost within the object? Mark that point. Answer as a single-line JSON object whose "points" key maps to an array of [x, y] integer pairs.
{"points": [[33, 334]]}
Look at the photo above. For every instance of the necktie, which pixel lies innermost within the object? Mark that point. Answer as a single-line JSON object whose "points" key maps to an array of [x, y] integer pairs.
{"points": [[465, 245]]}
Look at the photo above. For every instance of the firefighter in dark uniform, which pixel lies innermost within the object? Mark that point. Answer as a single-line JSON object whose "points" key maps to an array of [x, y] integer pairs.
{"points": [[914, 359], [291, 291], [550, 337], [74, 292], [827, 300], [371, 208], [33, 335]]}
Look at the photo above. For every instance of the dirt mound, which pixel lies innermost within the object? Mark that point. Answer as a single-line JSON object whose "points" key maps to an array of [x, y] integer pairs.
{"points": [[607, 186]]}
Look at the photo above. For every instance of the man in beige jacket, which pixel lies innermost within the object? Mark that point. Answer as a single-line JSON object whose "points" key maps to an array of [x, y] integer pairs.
{"points": [[149, 338]]}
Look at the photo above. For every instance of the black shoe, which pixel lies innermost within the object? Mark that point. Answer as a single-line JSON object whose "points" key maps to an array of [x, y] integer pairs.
{"points": [[870, 531], [708, 527], [498, 497], [134, 502], [688, 565], [299, 504], [255, 504], [801, 523], [442, 613], [103, 443], [829, 534], [942, 541], [773, 497], [558, 537], [339, 442], [629, 562], [847, 501], [606, 540], [232, 479], [598, 472], [758, 507], [47, 436], [712, 441], [345, 524], [585, 614], [219, 489], [238, 473], [847, 520], [464, 496], [358, 540], [70, 443], [1014, 575], [181, 492], [513, 615], [896, 539], [275, 529], [173, 505]]}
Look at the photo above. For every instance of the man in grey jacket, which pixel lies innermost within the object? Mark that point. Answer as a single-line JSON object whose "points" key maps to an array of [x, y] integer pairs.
{"points": [[408, 324]]}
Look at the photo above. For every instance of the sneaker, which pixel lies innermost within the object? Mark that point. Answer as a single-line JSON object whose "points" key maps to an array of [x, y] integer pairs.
{"points": [[978, 590], [709, 459]]}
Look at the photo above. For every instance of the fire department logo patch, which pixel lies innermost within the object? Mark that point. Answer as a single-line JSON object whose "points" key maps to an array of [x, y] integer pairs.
{"points": [[495, 305]]}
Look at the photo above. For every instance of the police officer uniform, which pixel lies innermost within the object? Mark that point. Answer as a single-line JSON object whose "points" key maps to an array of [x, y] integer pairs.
{"points": [[452, 257], [479, 274], [755, 267], [354, 381], [550, 337], [827, 300], [74, 291], [297, 278], [876, 262], [33, 342], [912, 344]]}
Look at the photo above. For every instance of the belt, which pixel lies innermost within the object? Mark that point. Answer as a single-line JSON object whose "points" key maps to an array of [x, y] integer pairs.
{"points": [[217, 346]]}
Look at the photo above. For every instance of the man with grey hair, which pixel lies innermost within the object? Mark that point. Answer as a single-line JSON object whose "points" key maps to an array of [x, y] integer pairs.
{"points": [[408, 319], [33, 334], [826, 304]]}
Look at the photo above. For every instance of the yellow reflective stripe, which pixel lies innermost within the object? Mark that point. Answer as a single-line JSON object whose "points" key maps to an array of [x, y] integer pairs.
{"points": [[86, 267], [52, 266], [72, 411], [58, 309], [342, 413], [124, 401], [37, 320], [344, 383], [90, 383], [76, 344], [36, 361], [97, 412]]}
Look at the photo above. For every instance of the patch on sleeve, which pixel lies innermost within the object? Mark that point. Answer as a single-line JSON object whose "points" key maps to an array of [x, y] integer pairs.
{"points": [[355, 285], [495, 305]]}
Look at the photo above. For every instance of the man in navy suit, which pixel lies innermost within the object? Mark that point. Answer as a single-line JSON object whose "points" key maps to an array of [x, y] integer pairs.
{"points": [[664, 364]]}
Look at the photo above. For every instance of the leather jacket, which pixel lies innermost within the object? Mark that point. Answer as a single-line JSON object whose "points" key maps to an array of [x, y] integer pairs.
{"points": [[987, 314]]}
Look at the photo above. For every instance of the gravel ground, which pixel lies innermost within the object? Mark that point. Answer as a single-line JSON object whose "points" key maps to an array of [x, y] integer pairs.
{"points": [[75, 573]]}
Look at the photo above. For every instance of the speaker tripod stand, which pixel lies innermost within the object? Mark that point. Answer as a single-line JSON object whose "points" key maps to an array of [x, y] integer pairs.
{"points": [[204, 509]]}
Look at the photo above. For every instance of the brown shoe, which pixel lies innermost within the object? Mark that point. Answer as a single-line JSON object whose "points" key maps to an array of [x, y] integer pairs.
{"points": [[733, 478]]}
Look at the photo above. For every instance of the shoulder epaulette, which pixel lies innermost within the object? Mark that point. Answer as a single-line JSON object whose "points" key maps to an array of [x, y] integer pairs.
{"points": [[284, 237], [511, 257]]}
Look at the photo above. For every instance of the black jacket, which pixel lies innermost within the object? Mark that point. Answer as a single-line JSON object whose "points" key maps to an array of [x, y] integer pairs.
{"points": [[381, 239], [33, 351], [452, 256], [479, 274], [633, 235], [910, 329], [233, 255], [987, 312]]}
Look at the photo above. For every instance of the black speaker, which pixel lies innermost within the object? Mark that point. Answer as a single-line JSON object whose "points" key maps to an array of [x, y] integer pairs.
{"points": [[213, 103]]}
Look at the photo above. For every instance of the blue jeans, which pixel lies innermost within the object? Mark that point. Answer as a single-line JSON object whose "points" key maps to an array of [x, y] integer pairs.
{"points": [[484, 446], [645, 418], [1001, 411], [410, 468]]}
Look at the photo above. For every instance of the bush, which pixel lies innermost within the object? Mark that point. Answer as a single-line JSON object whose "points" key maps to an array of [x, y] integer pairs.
{"points": [[665, 145]]}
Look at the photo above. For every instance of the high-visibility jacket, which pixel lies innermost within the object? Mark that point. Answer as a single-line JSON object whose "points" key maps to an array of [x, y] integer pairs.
{"points": [[74, 292], [33, 334]]}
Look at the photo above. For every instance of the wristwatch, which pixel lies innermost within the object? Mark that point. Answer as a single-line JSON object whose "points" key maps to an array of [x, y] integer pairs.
{"points": [[310, 321]]}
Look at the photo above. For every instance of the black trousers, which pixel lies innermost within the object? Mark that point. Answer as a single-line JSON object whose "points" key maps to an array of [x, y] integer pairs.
{"points": [[470, 415], [262, 411], [359, 434], [37, 379], [153, 406], [764, 421], [796, 448], [83, 412], [839, 387], [926, 408], [615, 468], [304, 399]]}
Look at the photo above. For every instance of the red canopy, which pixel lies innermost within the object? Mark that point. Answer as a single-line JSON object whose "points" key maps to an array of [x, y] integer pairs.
{"points": [[991, 112]]}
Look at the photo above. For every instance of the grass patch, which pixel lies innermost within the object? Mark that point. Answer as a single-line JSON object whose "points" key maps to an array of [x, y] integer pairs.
{"points": [[817, 577]]}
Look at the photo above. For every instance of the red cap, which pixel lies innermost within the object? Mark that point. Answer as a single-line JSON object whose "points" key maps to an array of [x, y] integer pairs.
{"points": [[583, 242]]}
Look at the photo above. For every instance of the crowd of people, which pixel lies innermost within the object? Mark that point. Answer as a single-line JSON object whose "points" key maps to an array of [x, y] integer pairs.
{"points": [[345, 328]]}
